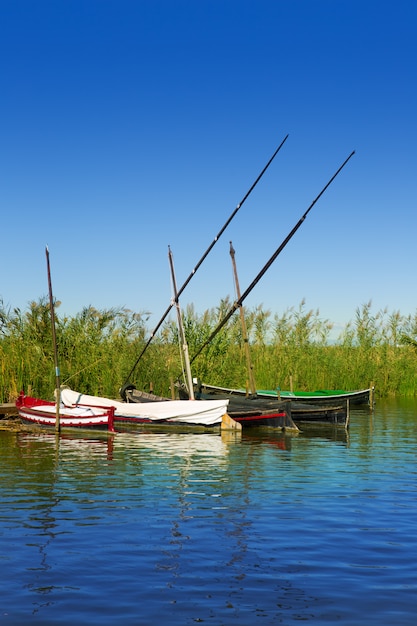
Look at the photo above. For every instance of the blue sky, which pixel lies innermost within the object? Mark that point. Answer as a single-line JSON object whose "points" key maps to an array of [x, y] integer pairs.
{"points": [[128, 126]]}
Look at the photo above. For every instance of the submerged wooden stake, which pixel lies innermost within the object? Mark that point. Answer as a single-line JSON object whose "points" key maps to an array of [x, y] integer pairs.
{"points": [[228, 423], [371, 395]]}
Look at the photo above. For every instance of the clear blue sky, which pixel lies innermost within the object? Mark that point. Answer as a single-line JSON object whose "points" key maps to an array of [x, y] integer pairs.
{"points": [[130, 125]]}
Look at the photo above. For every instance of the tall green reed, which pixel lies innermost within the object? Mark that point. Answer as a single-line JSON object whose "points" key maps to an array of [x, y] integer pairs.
{"points": [[97, 350]]}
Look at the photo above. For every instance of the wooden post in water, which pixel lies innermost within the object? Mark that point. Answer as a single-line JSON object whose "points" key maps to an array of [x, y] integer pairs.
{"points": [[57, 373], [371, 396], [228, 423]]}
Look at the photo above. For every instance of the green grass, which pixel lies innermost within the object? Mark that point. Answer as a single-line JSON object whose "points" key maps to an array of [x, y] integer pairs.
{"points": [[97, 350]]}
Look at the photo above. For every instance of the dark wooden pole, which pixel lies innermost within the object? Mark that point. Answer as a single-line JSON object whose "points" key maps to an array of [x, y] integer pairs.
{"points": [[252, 385], [57, 374]]}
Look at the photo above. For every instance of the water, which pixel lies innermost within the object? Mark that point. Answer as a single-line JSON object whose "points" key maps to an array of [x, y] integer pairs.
{"points": [[148, 529]]}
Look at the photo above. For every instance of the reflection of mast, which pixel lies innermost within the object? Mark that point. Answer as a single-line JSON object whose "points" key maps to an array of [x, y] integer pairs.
{"points": [[44, 520], [45, 526], [252, 386], [181, 329]]}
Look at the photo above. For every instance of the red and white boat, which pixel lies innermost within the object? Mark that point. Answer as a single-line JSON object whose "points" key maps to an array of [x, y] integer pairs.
{"points": [[36, 411]]}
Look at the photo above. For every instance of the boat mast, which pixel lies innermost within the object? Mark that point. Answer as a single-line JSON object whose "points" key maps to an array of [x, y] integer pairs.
{"points": [[252, 385], [184, 344], [57, 374]]}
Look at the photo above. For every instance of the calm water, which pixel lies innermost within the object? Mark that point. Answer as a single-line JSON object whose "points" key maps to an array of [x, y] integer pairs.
{"points": [[148, 529]]}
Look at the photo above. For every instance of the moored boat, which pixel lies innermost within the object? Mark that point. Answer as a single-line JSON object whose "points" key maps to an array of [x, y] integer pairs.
{"points": [[272, 413], [321, 397], [177, 412], [302, 413], [321, 414], [44, 413]]}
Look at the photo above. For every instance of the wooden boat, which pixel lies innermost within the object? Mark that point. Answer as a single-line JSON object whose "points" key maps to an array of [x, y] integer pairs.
{"points": [[273, 413], [302, 413], [143, 408], [36, 411], [322, 397], [255, 417], [321, 414], [166, 412]]}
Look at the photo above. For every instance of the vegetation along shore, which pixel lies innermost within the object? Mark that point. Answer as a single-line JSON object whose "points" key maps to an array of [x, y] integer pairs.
{"points": [[97, 349]]}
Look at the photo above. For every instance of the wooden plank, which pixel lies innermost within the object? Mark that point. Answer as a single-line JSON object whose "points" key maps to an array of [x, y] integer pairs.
{"points": [[8, 408]]}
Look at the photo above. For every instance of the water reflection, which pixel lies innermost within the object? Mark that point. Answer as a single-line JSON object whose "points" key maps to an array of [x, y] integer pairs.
{"points": [[263, 528], [41, 460], [41, 526], [199, 447], [284, 441]]}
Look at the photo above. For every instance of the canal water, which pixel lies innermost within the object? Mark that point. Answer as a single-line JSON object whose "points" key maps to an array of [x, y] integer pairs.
{"points": [[180, 529]]}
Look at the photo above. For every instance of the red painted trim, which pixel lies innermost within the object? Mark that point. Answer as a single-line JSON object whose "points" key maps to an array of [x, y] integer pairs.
{"points": [[253, 418]]}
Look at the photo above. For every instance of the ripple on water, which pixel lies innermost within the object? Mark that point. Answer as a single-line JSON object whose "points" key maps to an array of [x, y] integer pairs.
{"points": [[187, 529]]}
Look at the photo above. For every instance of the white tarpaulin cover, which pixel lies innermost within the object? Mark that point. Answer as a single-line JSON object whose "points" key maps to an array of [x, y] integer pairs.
{"points": [[200, 412]]}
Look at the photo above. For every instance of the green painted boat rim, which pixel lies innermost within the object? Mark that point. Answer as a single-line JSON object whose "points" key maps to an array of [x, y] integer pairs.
{"points": [[307, 394]]}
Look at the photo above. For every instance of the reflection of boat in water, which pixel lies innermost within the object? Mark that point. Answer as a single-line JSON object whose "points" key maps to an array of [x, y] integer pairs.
{"points": [[198, 447], [69, 444], [181, 445], [284, 441], [331, 434]]}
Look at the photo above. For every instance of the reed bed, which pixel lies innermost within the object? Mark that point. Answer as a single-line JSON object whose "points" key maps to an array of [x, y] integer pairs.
{"points": [[98, 349]]}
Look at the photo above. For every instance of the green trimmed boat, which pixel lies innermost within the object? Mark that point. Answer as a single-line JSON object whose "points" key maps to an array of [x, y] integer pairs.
{"points": [[321, 397]]}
